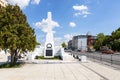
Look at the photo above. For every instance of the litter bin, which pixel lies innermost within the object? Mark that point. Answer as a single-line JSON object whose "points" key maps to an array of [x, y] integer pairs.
{"points": [[83, 59]]}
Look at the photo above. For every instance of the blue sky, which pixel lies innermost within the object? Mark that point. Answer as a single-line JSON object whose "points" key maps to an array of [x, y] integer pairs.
{"points": [[73, 16]]}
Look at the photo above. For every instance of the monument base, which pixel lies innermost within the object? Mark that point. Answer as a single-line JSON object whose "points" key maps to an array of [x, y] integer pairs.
{"points": [[40, 51], [49, 52]]}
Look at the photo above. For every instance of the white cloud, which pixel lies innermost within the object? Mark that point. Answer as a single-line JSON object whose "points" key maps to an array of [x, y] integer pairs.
{"points": [[72, 24], [58, 41], [47, 25], [41, 38], [81, 10], [21, 3], [35, 1], [85, 16], [68, 37]]}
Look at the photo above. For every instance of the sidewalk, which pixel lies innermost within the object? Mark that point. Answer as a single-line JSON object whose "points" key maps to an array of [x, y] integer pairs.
{"points": [[68, 69], [108, 73]]}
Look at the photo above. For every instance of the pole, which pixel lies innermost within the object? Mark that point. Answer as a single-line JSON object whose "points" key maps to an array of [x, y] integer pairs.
{"points": [[111, 60], [101, 57]]}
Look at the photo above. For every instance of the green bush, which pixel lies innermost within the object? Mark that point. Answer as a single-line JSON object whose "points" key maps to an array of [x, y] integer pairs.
{"points": [[54, 58]]}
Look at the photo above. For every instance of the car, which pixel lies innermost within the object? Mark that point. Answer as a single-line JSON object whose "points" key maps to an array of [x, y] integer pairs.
{"points": [[108, 51], [91, 50], [69, 50]]}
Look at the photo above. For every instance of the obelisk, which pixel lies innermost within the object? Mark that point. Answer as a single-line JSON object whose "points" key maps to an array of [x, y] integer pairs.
{"points": [[49, 43]]}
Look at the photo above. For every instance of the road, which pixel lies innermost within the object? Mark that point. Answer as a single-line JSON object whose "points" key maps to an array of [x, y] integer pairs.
{"points": [[110, 58]]}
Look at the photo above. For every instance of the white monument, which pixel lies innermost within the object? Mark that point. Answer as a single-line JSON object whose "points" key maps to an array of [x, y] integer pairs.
{"points": [[49, 44], [49, 50]]}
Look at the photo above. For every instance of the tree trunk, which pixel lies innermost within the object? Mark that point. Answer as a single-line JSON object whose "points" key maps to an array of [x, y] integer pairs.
{"points": [[14, 57]]}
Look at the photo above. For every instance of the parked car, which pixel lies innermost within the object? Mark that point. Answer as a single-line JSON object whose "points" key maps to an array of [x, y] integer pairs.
{"points": [[108, 51], [68, 50], [91, 50]]}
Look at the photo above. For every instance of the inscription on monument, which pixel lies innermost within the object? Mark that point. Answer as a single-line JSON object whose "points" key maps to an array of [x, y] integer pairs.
{"points": [[48, 52]]}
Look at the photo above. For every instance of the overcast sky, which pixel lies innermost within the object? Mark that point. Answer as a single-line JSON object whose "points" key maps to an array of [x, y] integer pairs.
{"points": [[72, 17]]}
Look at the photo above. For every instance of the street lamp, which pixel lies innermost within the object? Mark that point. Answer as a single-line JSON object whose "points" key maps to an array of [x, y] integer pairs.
{"points": [[81, 45]]}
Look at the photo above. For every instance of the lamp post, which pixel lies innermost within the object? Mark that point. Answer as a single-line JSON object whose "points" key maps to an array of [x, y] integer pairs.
{"points": [[111, 59], [81, 45]]}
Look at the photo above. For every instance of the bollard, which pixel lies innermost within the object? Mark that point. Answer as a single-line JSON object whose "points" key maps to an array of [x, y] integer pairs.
{"points": [[83, 59], [101, 57], [111, 60]]}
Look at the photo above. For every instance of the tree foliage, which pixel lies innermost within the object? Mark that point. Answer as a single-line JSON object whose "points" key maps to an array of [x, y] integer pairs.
{"points": [[63, 45], [115, 43], [16, 35], [99, 42], [111, 41]]}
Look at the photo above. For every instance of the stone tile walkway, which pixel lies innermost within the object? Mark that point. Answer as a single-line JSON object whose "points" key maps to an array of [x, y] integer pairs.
{"points": [[73, 71], [58, 70]]}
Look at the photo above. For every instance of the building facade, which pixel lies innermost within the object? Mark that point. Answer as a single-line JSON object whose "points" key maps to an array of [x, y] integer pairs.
{"points": [[70, 44], [78, 42], [90, 41], [82, 42], [74, 42]]}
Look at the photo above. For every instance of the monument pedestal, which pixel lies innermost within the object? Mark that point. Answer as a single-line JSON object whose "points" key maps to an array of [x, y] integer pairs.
{"points": [[49, 50]]}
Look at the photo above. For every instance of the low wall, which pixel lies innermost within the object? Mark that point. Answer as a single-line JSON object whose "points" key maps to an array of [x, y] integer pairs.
{"points": [[39, 51]]}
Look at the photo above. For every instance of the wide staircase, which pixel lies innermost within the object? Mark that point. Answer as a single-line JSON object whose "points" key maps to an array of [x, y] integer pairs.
{"points": [[67, 57]]}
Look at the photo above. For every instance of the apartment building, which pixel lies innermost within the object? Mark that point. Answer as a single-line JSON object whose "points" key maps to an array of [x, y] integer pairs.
{"points": [[82, 42], [78, 42]]}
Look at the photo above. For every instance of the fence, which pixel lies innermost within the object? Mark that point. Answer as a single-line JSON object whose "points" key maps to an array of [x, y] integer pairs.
{"points": [[110, 58]]}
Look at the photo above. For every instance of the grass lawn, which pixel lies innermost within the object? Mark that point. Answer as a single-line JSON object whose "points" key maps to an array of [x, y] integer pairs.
{"points": [[9, 65], [54, 58]]}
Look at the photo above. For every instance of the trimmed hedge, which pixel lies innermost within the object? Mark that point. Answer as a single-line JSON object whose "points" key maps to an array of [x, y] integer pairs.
{"points": [[54, 58]]}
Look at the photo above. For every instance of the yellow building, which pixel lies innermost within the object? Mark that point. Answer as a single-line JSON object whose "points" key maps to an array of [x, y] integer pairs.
{"points": [[3, 3]]}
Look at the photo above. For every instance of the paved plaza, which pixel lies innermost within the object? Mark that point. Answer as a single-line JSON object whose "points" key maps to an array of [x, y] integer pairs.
{"points": [[68, 69]]}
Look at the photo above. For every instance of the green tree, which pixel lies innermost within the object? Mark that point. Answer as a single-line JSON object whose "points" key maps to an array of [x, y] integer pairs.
{"points": [[116, 45], [99, 42], [116, 34], [116, 40], [107, 41], [63, 45], [38, 43], [15, 33]]}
